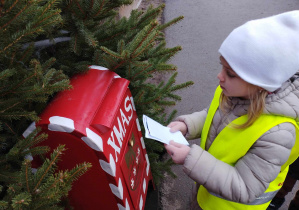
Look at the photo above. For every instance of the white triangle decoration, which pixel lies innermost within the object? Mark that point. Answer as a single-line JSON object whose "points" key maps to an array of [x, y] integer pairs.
{"points": [[93, 140], [120, 207], [142, 142], [141, 203], [117, 191], [144, 185], [29, 130], [138, 125], [98, 67], [61, 124], [148, 164], [110, 167]]}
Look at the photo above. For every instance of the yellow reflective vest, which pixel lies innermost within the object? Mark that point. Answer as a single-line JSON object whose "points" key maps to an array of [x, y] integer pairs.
{"points": [[229, 140]]}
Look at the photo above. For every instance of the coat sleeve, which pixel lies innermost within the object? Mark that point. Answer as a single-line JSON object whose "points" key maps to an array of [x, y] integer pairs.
{"points": [[194, 122], [251, 175]]}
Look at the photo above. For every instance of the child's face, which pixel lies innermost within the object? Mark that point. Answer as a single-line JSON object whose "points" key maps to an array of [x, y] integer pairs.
{"points": [[232, 85]]}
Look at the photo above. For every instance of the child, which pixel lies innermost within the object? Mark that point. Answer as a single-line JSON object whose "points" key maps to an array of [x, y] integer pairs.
{"points": [[249, 131]]}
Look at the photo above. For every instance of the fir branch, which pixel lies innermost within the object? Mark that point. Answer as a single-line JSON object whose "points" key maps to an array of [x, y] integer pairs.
{"points": [[48, 6], [75, 49], [118, 65], [40, 150], [139, 96], [151, 14], [172, 22], [79, 170], [57, 20], [170, 117], [6, 73], [17, 115], [27, 165], [21, 201], [120, 46], [173, 96], [7, 176], [143, 35], [166, 67], [19, 84], [181, 86], [79, 7], [17, 15], [9, 9], [49, 164], [48, 64], [19, 38], [10, 129], [28, 52], [100, 9], [91, 4], [32, 140], [86, 34], [142, 71], [3, 205], [166, 103]]}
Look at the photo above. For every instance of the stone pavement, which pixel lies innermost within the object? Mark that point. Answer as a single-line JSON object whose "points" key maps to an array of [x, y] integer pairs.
{"points": [[206, 24]]}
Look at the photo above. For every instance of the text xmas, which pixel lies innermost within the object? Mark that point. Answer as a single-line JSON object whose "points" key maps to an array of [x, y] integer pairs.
{"points": [[120, 126]]}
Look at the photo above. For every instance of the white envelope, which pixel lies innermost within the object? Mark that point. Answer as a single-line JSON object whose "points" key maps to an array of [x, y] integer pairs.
{"points": [[158, 132]]}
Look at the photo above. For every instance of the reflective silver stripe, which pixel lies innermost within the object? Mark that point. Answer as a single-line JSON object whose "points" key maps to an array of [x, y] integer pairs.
{"points": [[264, 198]]}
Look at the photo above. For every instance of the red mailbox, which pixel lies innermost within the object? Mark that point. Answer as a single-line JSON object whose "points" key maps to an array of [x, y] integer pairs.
{"points": [[97, 122]]}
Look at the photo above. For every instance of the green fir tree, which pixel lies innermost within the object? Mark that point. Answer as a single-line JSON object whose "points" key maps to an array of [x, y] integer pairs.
{"points": [[43, 44]]}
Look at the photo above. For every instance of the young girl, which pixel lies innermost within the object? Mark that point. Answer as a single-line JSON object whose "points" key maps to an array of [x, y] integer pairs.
{"points": [[248, 134]]}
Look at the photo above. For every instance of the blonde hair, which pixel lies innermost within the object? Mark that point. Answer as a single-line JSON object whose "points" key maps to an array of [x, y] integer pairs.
{"points": [[255, 109]]}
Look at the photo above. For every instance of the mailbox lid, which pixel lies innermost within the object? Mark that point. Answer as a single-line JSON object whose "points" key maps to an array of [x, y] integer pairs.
{"points": [[82, 102], [116, 95]]}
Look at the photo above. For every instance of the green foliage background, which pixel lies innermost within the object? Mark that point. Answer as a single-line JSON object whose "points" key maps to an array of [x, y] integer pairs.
{"points": [[42, 45]]}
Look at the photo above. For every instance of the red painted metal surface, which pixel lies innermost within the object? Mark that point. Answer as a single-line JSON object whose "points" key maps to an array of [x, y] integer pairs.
{"points": [[97, 122]]}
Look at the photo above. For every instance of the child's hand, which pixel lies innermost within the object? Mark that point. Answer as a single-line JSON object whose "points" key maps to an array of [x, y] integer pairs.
{"points": [[178, 126], [177, 151]]}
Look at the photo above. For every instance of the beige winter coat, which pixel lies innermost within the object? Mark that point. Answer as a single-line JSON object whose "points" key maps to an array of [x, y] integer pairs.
{"points": [[250, 177]]}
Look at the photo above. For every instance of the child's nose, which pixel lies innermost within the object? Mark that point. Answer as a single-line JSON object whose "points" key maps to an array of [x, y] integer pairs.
{"points": [[220, 76]]}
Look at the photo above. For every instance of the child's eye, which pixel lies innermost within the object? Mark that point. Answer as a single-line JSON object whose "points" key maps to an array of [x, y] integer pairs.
{"points": [[230, 75]]}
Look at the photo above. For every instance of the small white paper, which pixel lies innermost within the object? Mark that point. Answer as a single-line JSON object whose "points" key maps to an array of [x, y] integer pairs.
{"points": [[158, 132]]}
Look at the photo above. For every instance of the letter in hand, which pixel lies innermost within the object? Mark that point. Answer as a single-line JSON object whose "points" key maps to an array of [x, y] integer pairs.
{"points": [[177, 151], [178, 126]]}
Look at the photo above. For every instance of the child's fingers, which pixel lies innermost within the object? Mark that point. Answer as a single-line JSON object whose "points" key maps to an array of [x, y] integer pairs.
{"points": [[173, 143], [170, 149], [178, 126], [174, 126]]}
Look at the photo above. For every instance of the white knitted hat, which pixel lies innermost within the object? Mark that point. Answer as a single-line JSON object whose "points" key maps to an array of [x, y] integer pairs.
{"points": [[265, 52]]}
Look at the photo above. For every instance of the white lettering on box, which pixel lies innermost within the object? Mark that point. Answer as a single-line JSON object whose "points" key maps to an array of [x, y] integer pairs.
{"points": [[120, 132], [124, 118], [129, 107], [113, 145]]}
